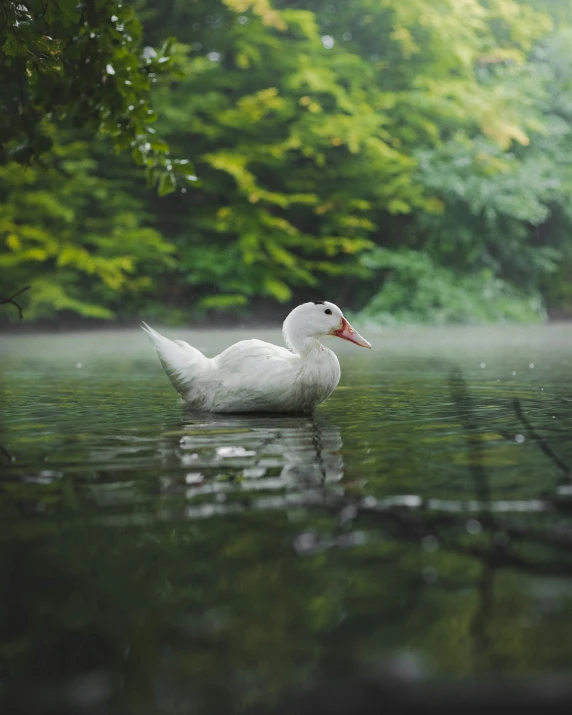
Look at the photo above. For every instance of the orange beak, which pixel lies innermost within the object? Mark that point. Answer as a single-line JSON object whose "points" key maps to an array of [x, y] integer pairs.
{"points": [[346, 332]]}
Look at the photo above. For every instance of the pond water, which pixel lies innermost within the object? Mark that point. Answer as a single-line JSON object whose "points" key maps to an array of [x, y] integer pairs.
{"points": [[167, 562]]}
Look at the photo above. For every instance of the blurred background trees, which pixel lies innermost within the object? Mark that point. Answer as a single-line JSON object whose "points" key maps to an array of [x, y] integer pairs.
{"points": [[409, 159]]}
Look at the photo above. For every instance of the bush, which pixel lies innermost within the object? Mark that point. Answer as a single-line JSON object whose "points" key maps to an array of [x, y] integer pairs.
{"points": [[416, 290]]}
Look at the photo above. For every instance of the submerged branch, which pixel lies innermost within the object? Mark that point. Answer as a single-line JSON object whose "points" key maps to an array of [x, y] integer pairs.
{"points": [[532, 434], [6, 453], [481, 527]]}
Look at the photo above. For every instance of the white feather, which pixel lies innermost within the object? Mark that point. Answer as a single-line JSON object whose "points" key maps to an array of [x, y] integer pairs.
{"points": [[182, 363]]}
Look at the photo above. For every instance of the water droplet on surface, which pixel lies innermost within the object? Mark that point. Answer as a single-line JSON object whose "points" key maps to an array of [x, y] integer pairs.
{"points": [[429, 543], [242, 20], [531, 365], [473, 526], [520, 438], [328, 42], [214, 56], [430, 574]]}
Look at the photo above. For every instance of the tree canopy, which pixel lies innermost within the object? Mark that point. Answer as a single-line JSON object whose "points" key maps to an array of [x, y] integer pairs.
{"points": [[405, 157], [83, 66]]}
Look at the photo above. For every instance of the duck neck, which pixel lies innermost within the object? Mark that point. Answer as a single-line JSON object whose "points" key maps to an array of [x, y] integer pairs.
{"points": [[303, 345], [308, 347]]}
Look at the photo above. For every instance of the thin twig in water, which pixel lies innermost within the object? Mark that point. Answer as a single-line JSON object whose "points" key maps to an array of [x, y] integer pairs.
{"points": [[533, 435], [467, 416], [6, 453]]}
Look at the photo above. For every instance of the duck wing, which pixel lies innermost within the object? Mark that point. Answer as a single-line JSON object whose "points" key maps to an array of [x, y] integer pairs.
{"points": [[249, 351], [182, 363], [254, 375]]}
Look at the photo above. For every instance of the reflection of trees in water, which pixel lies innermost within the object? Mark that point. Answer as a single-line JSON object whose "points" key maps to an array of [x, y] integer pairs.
{"points": [[532, 537], [5, 455], [199, 616]]}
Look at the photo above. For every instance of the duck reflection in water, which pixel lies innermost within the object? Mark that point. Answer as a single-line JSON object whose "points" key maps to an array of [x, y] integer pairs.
{"points": [[229, 458]]}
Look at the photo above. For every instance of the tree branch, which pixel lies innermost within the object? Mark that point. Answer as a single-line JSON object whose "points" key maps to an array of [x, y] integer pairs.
{"points": [[11, 300]]}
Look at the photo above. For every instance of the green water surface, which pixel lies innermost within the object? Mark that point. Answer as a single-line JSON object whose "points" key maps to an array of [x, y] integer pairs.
{"points": [[159, 561]]}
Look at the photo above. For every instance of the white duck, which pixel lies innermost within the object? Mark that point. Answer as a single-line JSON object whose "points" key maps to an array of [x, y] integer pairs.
{"points": [[255, 376]]}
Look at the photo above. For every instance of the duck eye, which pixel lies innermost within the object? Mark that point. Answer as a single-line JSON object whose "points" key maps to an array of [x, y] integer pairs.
{"points": [[328, 311]]}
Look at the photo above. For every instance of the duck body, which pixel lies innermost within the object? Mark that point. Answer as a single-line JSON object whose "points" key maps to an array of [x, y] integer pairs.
{"points": [[256, 376]]}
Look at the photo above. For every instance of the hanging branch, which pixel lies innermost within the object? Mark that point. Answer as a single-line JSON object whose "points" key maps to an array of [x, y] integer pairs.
{"points": [[11, 300]]}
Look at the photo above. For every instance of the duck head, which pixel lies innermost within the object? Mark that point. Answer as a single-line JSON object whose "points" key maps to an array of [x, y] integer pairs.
{"points": [[311, 321]]}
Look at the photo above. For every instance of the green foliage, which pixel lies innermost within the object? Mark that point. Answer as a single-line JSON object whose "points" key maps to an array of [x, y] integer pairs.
{"points": [[416, 290], [510, 211], [83, 65], [323, 134], [307, 143], [79, 239]]}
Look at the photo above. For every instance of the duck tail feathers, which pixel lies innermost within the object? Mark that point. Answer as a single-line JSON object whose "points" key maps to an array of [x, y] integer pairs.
{"points": [[181, 361]]}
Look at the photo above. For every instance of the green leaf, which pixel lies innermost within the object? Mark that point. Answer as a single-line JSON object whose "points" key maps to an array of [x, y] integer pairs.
{"points": [[277, 289], [167, 183], [222, 302]]}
